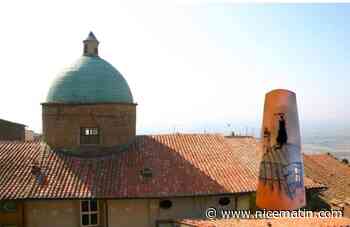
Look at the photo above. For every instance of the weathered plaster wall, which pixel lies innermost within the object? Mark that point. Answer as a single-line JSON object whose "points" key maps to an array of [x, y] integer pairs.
{"points": [[145, 212], [52, 213], [57, 213], [123, 213]]}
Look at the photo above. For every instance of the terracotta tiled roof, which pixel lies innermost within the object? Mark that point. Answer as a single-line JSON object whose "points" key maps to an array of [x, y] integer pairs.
{"points": [[331, 172], [180, 164], [276, 222]]}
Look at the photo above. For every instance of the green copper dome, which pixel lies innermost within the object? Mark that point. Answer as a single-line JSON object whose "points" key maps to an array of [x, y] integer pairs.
{"points": [[90, 80]]}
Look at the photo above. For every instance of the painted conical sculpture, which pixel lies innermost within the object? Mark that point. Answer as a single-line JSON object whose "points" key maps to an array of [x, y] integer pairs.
{"points": [[281, 177]]}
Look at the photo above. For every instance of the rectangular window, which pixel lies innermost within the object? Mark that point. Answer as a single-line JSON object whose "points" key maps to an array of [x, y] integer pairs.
{"points": [[89, 136], [89, 213]]}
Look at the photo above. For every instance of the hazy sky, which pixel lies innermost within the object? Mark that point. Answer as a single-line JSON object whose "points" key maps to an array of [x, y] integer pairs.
{"points": [[190, 66]]}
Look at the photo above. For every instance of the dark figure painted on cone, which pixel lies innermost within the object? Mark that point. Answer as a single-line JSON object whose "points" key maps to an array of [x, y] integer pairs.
{"points": [[282, 132]]}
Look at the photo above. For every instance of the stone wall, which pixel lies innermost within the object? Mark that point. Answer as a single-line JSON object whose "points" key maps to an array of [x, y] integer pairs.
{"points": [[10, 131], [62, 123]]}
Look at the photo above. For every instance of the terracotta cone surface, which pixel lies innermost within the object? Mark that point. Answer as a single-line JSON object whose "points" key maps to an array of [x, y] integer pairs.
{"points": [[281, 185]]}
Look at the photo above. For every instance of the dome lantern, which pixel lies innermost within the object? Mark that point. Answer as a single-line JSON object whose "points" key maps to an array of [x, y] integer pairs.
{"points": [[91, 45]]}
